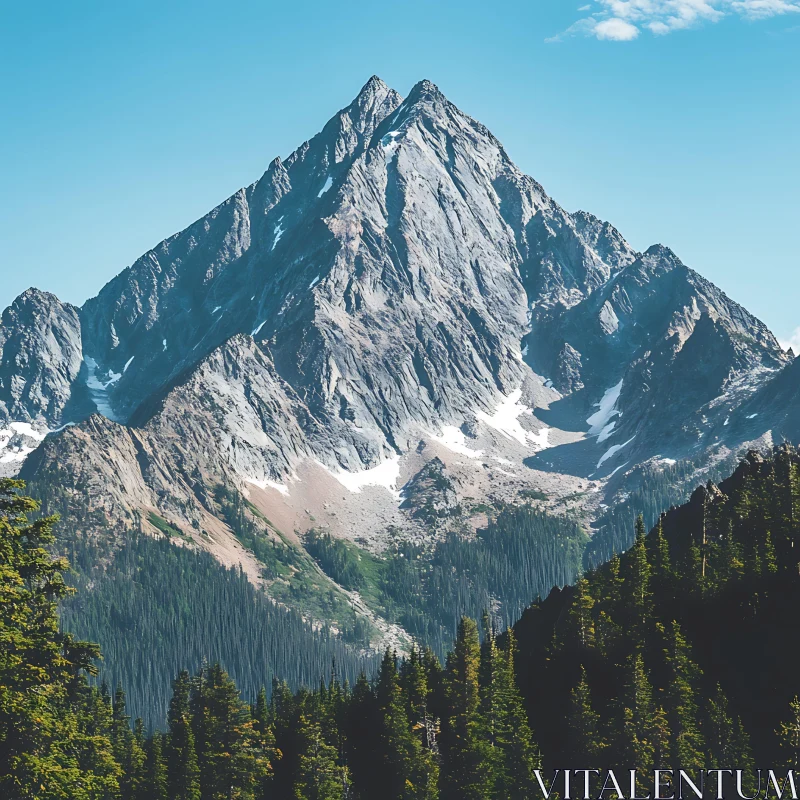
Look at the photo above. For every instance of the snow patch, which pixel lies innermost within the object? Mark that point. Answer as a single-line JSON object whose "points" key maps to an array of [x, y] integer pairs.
{"points": [[314, 282], [752, 416], [216, 308], [505, 420], [390, 146], [386, 475], [612, 474], [255, 331], [267, 484], [165, 344], [613, 451], [607, 408], [278, 231], [607, 431], [453, 438], [127, 364], [98, 390], [328, 184], [21, 452]]}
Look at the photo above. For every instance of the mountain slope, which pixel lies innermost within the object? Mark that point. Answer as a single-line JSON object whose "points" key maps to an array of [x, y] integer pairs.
{"points": [[395, 291]]}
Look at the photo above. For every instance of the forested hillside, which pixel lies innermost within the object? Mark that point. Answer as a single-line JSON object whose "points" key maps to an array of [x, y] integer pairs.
{"points": [[158, 605], [521, 554], [416, 730], [649, 490], [159, 608], [681, 652]]}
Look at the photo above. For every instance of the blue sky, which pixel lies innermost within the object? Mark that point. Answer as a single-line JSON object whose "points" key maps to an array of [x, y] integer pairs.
{"points": [[677, 120]]}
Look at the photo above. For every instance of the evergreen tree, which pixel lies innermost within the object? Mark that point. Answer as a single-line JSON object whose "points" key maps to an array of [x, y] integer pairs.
{"points": [[155, 785], [585, 743], [183, 772], [264, 743], [580, 620], [414, 682], [464, 771], [636, 746], [789, 737], [686, 747], [659, 558], [726, 740], [518, 754], [408, 770], [128, 748], [229, 757], [636, 595], [50, 747], [318, 777]]}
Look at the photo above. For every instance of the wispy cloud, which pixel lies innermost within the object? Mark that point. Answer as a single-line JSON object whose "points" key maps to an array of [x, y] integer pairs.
{"points": [[625, 20], [793, 341]]}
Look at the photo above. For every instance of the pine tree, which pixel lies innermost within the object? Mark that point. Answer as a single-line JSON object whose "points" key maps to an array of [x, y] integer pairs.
{"points": [[659, 558], [50, 746], [788, 735], [580, 621], [264, 742], [585, 742], [686, 748], [409, 771], [464, 771], [183, 772], [414, 682], [155, 784], [636, 594], [726, 740], [318, 776], [636, 748], [519, 755], [128, 748], [231, 764]]}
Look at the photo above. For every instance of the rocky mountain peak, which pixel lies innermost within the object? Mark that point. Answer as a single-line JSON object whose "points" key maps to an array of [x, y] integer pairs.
{"points": [[40, 358], [401, 277]]}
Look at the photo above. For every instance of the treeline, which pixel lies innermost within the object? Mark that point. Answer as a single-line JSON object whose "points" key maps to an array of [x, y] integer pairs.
{"points": [[157, 609], [418, 730], [682, 652], [653, 490], [518, 557]]}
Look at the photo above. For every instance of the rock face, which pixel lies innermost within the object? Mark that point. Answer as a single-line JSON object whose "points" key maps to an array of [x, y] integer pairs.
{"points": [[431, 494], [396, 279], [40, 359]]}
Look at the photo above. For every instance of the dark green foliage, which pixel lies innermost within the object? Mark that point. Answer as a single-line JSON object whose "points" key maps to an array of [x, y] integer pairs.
{"points": [[254, 532], [651, 491], [157, 607], [518, 557], [682, 651], [55, 732], [340, 562]]}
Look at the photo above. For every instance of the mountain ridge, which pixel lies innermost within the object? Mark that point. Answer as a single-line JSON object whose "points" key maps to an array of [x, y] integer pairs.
{"points": [[396, 290]]}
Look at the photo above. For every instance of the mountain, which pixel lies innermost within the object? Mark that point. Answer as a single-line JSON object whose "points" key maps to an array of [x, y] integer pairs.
{"points": [[396, 292], [675, 628]]}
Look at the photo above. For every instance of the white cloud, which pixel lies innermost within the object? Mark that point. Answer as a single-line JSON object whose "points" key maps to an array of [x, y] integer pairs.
{"points": [[623, 20], [616, 29], [793, 341]]}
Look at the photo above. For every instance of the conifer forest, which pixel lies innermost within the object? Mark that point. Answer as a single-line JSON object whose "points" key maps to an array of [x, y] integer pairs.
{"points": [[677, 653]]}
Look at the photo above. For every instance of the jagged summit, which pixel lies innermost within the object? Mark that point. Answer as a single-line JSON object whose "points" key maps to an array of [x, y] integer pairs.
{"points": [[397, 286]]}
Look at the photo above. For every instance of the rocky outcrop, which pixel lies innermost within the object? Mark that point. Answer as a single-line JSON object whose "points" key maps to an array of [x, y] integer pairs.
{"points": [[40, 359], [395, 276], [431, 494]]}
